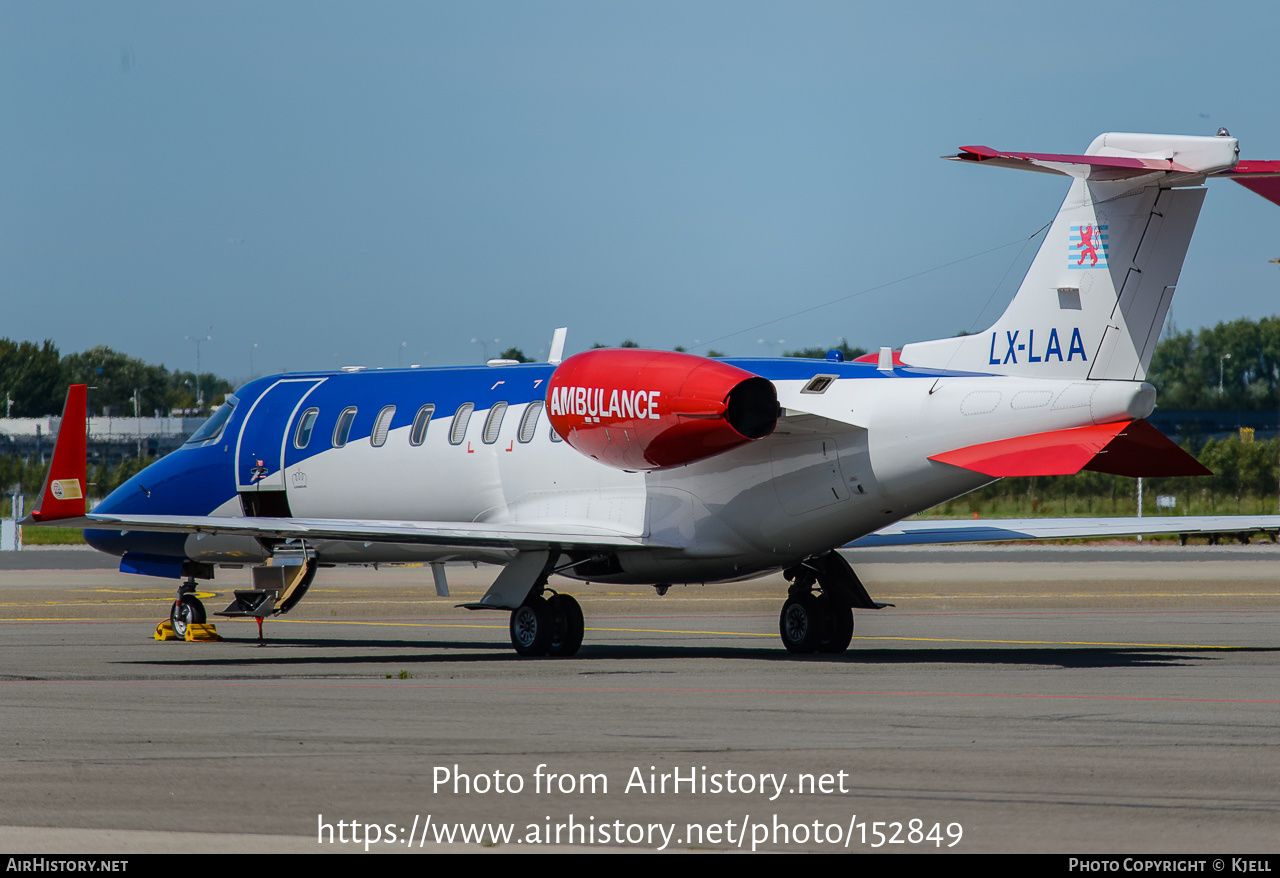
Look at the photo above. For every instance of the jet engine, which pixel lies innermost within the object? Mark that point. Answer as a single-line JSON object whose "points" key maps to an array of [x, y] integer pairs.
{"points": [[645, 410]]}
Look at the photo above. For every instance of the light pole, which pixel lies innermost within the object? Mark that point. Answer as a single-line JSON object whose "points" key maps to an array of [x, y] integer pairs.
{"points": [[251, 350], [137, 418], [1221, 362], [197, 339], [484, 346]]}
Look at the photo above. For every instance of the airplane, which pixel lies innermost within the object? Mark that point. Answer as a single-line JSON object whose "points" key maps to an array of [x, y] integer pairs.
{"points": [[661, 468]]}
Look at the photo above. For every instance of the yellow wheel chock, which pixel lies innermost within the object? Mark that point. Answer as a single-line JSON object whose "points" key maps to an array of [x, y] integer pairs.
{"points": [[197, 632], [202, 632]]}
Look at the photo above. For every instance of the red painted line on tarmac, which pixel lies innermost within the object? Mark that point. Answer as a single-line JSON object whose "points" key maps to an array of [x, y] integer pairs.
{"points": [[621, 689], [1200, 612]]}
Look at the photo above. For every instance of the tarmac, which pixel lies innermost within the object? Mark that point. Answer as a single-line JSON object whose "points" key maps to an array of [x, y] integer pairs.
{"points": [[1053, 699]]}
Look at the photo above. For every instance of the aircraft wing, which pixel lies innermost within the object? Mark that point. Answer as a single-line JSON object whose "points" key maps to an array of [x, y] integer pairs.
{"points": [[439, 533], [974, 530]]}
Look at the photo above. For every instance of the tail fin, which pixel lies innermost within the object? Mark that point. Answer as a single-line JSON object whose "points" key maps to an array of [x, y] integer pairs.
{"points": [[64, 488], [1094, 300]]}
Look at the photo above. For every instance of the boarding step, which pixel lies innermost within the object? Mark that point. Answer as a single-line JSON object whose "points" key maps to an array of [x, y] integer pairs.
{"points": [[251, 602], [277, 586]]}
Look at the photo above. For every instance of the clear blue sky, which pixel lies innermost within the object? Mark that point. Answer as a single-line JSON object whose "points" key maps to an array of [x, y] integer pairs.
{"points": [[376, 182]]}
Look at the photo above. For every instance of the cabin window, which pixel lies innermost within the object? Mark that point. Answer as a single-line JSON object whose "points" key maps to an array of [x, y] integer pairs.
{"points": [[305, 425], [461, 418], [382, 426], [555, 437], [342, 429], [418, 433], [529, 423], [493, 424]]}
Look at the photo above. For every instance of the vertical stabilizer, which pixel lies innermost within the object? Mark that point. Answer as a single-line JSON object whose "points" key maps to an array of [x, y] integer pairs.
{"points": [[1094, 301]]}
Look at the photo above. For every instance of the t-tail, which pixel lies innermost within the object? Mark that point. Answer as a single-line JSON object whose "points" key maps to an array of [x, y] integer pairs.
{"points": [[1094, 301]]}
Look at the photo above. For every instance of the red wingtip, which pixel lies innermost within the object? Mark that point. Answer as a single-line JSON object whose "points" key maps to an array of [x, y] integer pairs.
{"points": [[1055, 453], [64, 487], [1122, 448], [1142, 450]]}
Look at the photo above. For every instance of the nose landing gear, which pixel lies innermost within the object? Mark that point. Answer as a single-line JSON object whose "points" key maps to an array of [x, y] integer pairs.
{"points": [[187, 617], [186, 610]]}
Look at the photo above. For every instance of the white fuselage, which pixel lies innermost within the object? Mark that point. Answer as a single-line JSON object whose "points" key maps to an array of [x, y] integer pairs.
{"points": [[841, 464]]}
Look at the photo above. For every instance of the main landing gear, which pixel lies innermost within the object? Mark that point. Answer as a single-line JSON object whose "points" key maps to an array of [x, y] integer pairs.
{"points": [[815, 623], [539, 625], [822, 622], [547, 626]]}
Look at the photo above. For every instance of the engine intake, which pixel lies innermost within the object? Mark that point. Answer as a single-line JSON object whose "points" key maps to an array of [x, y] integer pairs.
{"points": [[645, 410]]}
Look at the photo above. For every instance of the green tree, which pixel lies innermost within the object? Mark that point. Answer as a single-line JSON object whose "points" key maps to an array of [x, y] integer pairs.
{"points": [[30, 376], [182, 390], [1244, 355], [515, 354], [821, 353], [113, 377]]}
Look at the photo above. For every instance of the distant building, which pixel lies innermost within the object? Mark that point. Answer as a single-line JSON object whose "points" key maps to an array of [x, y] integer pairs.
{"points": [[109, 437]]}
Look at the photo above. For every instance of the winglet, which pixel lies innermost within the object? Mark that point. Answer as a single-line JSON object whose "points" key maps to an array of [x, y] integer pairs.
{"points": [[64, 487]]}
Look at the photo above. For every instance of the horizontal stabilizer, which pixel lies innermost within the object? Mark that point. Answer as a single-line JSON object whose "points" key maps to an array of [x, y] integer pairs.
{"points": [[1093, 167], [1262, 177], [1120, 448]]}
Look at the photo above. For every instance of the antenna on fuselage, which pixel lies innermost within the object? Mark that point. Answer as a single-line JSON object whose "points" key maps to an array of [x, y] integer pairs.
{"points": [[557, 346]]}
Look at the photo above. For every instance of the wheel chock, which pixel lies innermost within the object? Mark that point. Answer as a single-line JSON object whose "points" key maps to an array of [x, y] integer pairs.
{"points": [[164, 631], [202, 632]]}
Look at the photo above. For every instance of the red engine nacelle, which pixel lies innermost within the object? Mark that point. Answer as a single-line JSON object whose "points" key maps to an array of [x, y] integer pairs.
{"points": [[644, 410]]}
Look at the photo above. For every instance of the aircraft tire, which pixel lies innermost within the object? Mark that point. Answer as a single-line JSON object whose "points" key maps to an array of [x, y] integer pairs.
{"points": [[186, 610], [568, 626], [532, 626], [837, 628], [801, 624]]}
